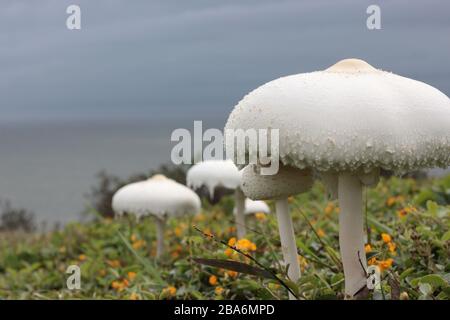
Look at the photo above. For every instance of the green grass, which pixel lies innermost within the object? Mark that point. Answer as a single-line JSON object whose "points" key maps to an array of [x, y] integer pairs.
{"points": [[117, 257]]}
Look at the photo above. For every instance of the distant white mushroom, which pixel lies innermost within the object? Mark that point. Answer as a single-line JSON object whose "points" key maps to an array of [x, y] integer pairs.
{"points": [[220, 173], [347, 122], [255, 206], [159, 197], [287, 182]]}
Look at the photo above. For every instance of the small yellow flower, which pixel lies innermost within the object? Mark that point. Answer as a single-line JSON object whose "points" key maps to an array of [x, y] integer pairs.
{"points": [[232, 241], [391, 201], [218, 290], [102, 272], [133, 238], [113, 263], [261, 216], [302, 262], [170, 291], [119, 285], [178, 231], [138, 244], [134, 296], [291, 199], [212, 280], [131, 275], [321, 233], [368, 248], [232, 229], [372, 261], [82, 257], [329, 208], [391, 247], [386, 238]]}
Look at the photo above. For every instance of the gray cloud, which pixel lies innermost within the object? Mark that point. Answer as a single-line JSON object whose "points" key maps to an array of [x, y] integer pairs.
{"points": [[198, 58]]}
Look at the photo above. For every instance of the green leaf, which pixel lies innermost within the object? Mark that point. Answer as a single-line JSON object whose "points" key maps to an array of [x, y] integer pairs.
{"points": [[446, 236], [434, 280], [406, 273]]}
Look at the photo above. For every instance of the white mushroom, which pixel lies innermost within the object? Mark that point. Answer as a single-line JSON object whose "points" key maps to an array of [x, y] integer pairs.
{"points": [[255, 206], [159, 197], [220, 173], [288, 181], [350, 120]]}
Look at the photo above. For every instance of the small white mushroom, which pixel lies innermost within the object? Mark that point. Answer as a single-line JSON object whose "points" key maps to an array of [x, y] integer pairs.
{"points": [[349, 121], [288, 181], [159, 197], [220, 173]]}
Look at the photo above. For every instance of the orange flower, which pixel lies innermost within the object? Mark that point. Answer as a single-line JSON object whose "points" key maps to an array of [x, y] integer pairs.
{"points": [[229, 252], [113, 263], [321, 233], [138, 244], [131, 275], [170, 291], [82, 257], [372, 261], [133, 238], [261, 216], [368, 248], [119, 285], [385, 264], [391, 201], [329, 208], [178, 231], [386, 238], [232, 241], [232, 274], [218, 290], [391, 247], [245, 245], [213, 280], [135, 296]]}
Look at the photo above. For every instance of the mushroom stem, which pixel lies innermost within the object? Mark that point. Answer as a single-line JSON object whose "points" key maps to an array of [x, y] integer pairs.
{"points": [[288, 243], [160, 227], [240, 208], [351, 233]]}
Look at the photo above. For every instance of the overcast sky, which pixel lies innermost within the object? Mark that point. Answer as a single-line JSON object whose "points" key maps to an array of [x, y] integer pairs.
{"points": [[198, 58]]}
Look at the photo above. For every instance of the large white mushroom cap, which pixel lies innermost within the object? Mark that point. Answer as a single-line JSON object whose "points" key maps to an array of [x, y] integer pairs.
{"points": [[157, 196], [351, 116], [213, 174]]}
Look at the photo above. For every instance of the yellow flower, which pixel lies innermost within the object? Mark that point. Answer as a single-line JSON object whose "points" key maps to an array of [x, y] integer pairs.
{"points": [[321, 233], [232, 241], [261, 216], [113, 263], [329, 208], [133, 238], [232, 229], [391, 201], [131, 275], [138, 244], [291, 199], [245, 245], [135, 296], [213, 280], [368, 248], [178, 231], [170, 291], [302, 262], [386, 238], [372, 261], [102, 272], [218, 290], [82, 257], [385, 264], [391, 247], [120, 285]]}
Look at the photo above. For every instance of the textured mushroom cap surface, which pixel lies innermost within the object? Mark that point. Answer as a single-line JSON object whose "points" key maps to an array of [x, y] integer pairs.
{"points": [[213, 174], [158, 196], [287, 182], [351, 116]]}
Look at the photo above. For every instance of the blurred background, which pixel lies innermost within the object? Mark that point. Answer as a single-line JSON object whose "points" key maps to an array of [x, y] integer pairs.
{"points": [[108, 96]]}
